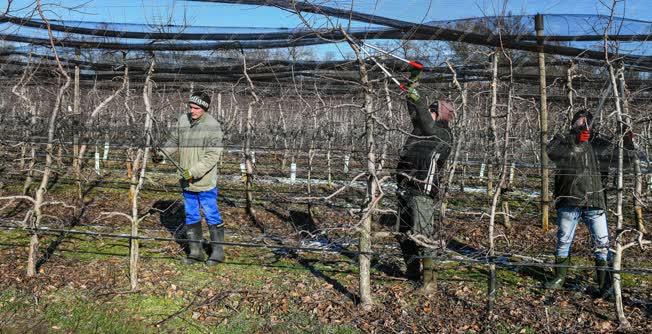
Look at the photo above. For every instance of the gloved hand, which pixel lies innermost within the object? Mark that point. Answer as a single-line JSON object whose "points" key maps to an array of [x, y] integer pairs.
{"points": [[583, 136], [411, 92], [186, 175], [157, 157]]}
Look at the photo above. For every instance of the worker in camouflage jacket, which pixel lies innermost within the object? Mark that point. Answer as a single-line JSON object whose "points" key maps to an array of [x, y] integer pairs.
{"points": [[579, 193], [419, 169], [197, 137]]}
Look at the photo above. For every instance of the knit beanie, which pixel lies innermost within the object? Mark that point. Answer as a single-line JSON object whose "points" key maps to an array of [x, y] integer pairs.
{"points": [[583, 113], [201, 99]]}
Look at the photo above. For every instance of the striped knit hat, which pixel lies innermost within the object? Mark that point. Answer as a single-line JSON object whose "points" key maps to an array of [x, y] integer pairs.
{"points": [[201, 99]]}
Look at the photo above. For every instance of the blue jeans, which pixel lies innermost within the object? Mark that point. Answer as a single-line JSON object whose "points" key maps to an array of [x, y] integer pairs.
{"points": [[595, 220], [206, 200]]}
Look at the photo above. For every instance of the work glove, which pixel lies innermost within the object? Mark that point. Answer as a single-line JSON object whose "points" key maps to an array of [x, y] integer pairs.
{"points": [[157, 157], [186, 175], [411, 92], [583, 136]]}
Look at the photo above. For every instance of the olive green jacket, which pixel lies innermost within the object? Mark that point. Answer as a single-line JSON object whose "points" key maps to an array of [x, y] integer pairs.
{"points": [[577, 180], [429, 142], [199, 144]]}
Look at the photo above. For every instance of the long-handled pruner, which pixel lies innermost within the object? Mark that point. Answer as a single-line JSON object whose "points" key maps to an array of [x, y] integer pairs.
{"points": [[170, 159], [158, 149], [411, 63], [389, 75]]}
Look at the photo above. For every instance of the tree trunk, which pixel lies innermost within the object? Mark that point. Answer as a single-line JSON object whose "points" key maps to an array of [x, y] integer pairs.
{"points": [[458, 143], [617, 265], [570, 90], [366, 301], [501, 154], [636, 164], [247, 150], [42, 189], [492, 121], [138, 177], [390, 114]]}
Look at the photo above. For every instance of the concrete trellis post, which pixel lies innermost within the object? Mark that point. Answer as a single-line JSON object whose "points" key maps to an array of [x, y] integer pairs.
{"points": [[512, 170], [97, 161], [293, 171], [105, 153]]}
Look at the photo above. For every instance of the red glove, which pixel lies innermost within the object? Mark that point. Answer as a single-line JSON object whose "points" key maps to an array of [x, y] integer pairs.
{"points": [[583, 136], [415, 65]]}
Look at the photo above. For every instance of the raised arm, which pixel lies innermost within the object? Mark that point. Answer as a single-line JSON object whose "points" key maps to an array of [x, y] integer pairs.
{"points": [[419, 110]]}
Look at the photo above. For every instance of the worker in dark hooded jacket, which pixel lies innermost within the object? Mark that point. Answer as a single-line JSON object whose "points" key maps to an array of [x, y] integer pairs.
{"points": [[579, 193], [419, 169]]}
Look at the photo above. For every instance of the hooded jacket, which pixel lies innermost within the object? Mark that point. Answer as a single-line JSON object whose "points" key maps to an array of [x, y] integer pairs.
{"points": [[578, 179], [430, 141], [199, 143]]}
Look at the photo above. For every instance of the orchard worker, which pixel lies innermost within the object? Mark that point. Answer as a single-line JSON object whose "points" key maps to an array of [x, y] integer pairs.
{"points": [[419, 169], [197, 137], [579, 193]]}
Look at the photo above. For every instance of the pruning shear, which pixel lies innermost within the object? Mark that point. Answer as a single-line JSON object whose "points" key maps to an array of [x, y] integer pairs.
{"points": [[158, 149]]}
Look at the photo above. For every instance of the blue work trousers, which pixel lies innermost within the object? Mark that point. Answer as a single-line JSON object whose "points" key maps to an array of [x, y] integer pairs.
{"points": [[595, 219], [205, 200]]}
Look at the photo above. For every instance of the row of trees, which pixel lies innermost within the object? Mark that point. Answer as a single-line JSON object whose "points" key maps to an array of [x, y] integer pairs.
{"points": [[501, 120]]}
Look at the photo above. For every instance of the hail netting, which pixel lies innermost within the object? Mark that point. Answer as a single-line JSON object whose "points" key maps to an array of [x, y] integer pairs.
{"points": [[570, 35]]}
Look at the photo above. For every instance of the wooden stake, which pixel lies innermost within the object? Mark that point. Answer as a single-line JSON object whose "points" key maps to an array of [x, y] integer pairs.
{"points": [[545, 196]]}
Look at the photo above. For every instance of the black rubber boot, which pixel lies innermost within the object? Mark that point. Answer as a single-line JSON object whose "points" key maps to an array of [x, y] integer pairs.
{"points": [[412, 269], [560, 274], [217, 250], [194, 236], [603, 278]]}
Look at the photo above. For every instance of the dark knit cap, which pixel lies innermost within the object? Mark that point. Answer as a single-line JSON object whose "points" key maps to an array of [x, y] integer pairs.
{"points": [[201, 99], [583, 113]]}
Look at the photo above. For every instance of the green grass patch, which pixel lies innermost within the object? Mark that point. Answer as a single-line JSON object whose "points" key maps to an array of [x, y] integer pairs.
{"points": [[86, 317], [455, 272], [87, 251]]}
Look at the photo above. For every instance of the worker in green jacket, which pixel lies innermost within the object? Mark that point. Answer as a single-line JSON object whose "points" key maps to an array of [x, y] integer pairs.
{"points": [[197, 137], [579, 193], [420, 166]]}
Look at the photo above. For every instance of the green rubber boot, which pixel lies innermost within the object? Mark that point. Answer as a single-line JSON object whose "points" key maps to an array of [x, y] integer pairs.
{"points": [[194, 235], [603, 278], [560, 274], [217, 250]]}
